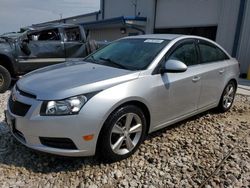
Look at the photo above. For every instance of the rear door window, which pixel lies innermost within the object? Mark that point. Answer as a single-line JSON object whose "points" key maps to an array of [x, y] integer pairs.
{"points": [[73, 34], [210, 53]]}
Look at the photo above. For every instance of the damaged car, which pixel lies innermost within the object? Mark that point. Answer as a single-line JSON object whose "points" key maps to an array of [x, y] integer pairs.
{"points": [[38, 47]]}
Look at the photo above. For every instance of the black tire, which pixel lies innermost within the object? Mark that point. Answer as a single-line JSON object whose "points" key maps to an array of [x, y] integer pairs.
{"points": [[5, 79], [104, 151], [222, 107]]}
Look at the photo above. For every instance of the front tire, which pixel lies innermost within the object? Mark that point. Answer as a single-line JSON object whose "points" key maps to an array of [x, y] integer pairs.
{"points": [[5, 79], [122, 134], [227, 97]]}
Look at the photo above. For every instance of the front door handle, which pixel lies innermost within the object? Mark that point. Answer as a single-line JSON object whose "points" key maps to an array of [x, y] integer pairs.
{"points": [[222, 71], [196, 78]]}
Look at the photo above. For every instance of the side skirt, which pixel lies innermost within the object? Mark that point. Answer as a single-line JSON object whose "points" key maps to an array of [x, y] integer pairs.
{"points": [[171, 122]]}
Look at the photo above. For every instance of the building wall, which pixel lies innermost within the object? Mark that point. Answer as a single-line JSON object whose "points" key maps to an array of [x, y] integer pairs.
{"points": [[228, 18], [244, 46], [187, 13], [81, 19], [145, 8], [109, 34], [199, 13]]}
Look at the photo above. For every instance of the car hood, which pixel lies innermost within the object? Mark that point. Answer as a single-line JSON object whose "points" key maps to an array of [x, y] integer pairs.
{"points": [[4, 45], [72, 78]]}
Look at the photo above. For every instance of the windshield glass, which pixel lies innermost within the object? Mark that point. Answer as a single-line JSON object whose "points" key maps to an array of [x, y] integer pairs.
{"points": [[131, 54]]}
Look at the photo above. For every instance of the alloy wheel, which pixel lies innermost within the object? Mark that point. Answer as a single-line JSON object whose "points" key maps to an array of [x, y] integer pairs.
{"points": [[126, 133], [228, 96]]}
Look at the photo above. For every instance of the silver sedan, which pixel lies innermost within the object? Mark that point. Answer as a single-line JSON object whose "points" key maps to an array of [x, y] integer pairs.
{"points": [[108, 103]]}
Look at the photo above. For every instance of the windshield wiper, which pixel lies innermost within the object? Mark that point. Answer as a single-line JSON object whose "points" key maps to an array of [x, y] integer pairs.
{"points": [[113, 62]]}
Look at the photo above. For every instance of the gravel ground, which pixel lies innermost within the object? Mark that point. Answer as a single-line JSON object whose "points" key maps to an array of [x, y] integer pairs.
{"points": [[209, 150]]}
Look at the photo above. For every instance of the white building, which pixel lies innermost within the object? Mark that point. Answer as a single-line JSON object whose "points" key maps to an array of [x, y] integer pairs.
{"points": [[225, 21]]}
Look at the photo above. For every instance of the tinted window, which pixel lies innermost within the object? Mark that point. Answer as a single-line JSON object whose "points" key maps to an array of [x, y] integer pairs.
{"points": [[134, 54], [208, 32], [211, 53], [73, 34], [46, 35], [185, 53]]}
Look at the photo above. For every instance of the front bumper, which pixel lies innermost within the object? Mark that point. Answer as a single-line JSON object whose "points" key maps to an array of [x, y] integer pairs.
{"points": [[30, 128]]}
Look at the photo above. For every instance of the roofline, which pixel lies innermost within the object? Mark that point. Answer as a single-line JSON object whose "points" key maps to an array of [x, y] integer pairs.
{"points": [[122, 19], [72, 17], [179, 37], [49, 26], [83, 15]]}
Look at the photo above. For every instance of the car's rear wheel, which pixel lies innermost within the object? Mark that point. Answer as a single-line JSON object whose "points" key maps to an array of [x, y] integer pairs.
{"points": [[122, 134], [227, 97], [5, 79]]}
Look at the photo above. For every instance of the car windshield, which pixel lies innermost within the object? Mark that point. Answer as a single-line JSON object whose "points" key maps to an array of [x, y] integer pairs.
{"points": [[131, 54]]}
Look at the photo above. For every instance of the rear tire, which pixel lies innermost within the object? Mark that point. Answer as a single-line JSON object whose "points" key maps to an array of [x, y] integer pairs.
{"points": [[227, 97], [5, 79], [122, 134]]}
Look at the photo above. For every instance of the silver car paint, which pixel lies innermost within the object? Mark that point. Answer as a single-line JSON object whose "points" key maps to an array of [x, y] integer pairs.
{"points": [[169, 98], [53, 78]]}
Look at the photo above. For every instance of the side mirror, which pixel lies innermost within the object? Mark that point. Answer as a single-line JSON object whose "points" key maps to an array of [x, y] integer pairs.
{"points": [[173, 66], [24, 47]]}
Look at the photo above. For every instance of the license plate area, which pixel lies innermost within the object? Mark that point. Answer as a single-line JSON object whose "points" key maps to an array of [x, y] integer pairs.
{"points": [[11, 122]]}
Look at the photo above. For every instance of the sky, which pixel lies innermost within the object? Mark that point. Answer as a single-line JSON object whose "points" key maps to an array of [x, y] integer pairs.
{"points": [[15, 14]]}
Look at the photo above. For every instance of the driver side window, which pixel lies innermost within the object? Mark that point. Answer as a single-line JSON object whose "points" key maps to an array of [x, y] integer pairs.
{"points": [[185, 53], [45, 35]]}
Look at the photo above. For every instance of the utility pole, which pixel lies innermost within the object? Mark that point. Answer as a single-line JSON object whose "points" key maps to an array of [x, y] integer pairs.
{"points": [[134, 2], [61, 15]]}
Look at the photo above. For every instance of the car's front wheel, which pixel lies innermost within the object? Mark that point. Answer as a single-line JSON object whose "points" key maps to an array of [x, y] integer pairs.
{"points": [[227, 97], [121, 134], [5, 79]]}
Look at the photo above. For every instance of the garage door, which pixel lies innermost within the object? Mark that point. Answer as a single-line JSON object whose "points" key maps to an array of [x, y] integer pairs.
{"points": [[187, 13]]}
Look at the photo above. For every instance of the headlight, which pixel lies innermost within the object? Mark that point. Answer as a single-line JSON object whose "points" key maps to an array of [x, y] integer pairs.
{"points": [[68, 106]]}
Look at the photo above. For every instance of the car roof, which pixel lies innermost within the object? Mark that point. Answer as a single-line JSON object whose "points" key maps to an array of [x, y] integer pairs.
{"points": [[175, 36], [50, 26], [158, 36]]}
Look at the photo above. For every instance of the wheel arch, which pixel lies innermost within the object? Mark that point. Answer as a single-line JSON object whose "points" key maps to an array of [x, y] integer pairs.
{"points": [[143, 107], [234, 81], [6, 62], [136, 103], [219, 106]]}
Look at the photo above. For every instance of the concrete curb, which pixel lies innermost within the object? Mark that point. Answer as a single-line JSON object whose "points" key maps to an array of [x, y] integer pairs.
{"points": [[244, 87]]}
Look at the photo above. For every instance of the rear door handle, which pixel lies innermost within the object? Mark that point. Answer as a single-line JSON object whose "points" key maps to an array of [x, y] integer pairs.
{"points": [[222, 71], [196, 78]]}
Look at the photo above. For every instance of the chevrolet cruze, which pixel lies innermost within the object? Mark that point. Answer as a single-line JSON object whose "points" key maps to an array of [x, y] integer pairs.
{"points": [[107, 103]]}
